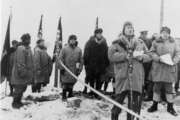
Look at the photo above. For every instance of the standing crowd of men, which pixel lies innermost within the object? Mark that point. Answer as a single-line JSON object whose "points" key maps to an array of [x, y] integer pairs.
{"points": [[27, 68], [134, 75]]}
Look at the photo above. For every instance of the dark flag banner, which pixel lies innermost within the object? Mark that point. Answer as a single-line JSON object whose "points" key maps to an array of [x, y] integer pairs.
{"points": [[97, 23], [40, 34], [58, 43], [5, 57], [59, 31], [57, 49]]}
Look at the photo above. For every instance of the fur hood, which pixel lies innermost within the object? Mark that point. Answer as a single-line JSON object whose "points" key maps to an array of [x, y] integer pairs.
{"points": [[93, 38]]}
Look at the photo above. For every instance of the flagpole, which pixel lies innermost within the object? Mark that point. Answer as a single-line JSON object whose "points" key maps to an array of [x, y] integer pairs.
{"points": [[97, 22], [40, 32], [57, 49], [10, 17], [161, 14]]}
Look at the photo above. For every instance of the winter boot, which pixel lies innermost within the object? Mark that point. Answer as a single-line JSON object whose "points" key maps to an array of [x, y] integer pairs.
{"points": [[154, 107], [171, 110], [17, 103]]}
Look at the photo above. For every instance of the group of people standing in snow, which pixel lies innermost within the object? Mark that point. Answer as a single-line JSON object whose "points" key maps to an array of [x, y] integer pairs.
{"points": [[130, 83], [27, 68], [142, 77], [136, 77]]}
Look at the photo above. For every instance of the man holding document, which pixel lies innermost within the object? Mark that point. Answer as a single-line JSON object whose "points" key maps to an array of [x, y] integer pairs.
{"points": [[165, 55]]}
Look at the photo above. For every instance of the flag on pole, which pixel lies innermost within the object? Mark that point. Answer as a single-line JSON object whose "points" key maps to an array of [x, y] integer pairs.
{"points": [[40, 34], [97, 23], [59, 31], [57, 49], [4, 57], [58, 37]]}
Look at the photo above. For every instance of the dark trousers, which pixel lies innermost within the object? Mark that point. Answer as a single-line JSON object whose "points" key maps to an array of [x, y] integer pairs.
{"points": [[135, 106], [36, 87], [87, 82], [18, 92], [106, 83], [67, 88], [177, 85], [94, 80], [148, 87]]}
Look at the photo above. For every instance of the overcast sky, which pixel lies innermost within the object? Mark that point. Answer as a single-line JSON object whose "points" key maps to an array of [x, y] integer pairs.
{"points": [[78, 17]]}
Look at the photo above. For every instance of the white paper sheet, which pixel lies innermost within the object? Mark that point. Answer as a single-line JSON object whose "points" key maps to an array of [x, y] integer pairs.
{"points": [[167, 59], [138, 53]]}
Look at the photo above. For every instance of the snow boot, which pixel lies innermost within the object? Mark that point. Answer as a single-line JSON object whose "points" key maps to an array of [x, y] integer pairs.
{"points": [[17, 103], [171, 110], [154, 107]]}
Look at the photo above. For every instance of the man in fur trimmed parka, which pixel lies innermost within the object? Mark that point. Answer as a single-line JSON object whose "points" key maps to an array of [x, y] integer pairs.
{"points": [[95, 59], [128, 83]]}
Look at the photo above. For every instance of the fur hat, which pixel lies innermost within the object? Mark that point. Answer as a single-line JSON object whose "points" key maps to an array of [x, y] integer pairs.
{"points": [[39, 41], [25, 37], [98, 30], [74, 37], [168, 30], [14, 42]]}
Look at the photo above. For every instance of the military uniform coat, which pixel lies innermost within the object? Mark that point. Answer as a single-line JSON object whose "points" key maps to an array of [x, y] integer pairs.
{"points": [[23, 67], [160, 71], [42, 65], [117, 55], [71, 57]]}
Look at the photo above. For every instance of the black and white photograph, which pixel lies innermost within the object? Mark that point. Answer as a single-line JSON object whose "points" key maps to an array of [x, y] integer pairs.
{"points": [[90, 60]]}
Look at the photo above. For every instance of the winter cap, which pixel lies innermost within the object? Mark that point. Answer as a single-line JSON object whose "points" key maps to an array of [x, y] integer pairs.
{"points": [[72, 37], [165, 29], [144, 32], [98, 30], [39, 41], [14, 42], [25, 37]]}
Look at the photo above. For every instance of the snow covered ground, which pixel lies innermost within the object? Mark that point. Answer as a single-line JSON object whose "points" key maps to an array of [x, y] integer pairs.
{"points": [[48, 106]]}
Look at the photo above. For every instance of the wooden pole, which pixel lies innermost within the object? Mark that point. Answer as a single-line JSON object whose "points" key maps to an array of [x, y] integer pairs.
{"points": [[162, 14], [97, 23]]}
